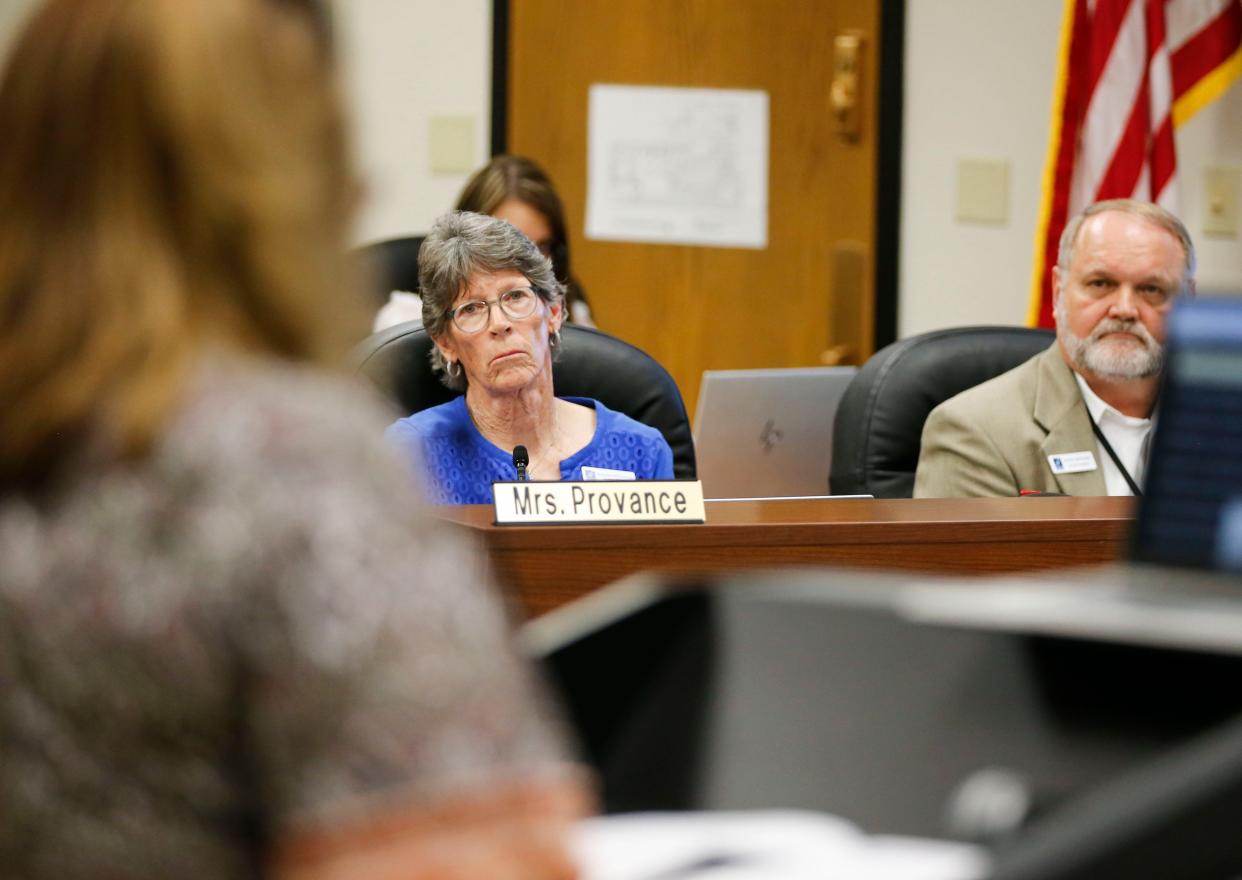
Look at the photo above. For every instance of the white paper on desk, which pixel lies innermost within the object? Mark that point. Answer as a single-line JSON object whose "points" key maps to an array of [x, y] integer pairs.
{"points": [[678, 166], [761, 845]]}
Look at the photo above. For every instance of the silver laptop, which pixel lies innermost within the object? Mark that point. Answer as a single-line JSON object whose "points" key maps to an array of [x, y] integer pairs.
{"points": [[767, 433]]}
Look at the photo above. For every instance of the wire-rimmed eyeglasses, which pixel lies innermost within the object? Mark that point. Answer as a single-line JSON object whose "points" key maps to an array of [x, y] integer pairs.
{"points": [[473, 316]]}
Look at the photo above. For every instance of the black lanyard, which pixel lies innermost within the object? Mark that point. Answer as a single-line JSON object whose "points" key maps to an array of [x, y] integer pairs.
{"points": [[1108, 447]]}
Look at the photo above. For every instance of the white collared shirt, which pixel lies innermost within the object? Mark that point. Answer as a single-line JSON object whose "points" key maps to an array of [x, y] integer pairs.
{"points": [[402, 306], [1128, 436]]}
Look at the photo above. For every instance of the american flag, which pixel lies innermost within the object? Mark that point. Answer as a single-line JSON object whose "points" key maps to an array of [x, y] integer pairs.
{"points": [[1130, 72]]}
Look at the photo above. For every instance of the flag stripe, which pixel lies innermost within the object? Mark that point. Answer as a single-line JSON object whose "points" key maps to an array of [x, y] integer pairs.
{"points": [[1185, 18], [1119, 180], [1142, 186], [1199, 55], [1208, 89], [1168, 198], [1163, 159], [1106, 23], [1110, 108], [1159, 78]]}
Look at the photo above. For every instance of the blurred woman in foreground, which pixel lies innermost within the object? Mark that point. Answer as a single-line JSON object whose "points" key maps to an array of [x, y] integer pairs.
{"points": [[230, 645]]}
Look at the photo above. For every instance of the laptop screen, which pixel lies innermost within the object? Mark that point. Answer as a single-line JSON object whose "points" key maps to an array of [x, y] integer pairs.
{"points": [[767, 433], [1191, 513]]}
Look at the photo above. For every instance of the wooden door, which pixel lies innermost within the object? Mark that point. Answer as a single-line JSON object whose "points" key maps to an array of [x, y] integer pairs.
{"points": [[808, 297]]}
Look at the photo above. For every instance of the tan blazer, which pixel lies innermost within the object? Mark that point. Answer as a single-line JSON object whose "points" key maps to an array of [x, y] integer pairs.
{"points": [[995, 438]]}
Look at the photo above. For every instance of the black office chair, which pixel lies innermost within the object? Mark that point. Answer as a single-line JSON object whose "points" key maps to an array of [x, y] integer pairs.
{"points": [[392, 265], [591, 364], [815, 690], [875, 439]]}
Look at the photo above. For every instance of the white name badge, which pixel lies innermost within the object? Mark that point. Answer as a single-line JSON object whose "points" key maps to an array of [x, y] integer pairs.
{"points": [[620, 501], [598, 473], [1072, 462]]}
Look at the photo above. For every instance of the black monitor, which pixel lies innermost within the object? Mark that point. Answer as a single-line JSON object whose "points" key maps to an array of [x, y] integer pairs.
{"points": [[1191, 513]]}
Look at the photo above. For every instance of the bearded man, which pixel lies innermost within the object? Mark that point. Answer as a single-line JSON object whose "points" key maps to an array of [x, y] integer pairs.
{"points": [[1075, 419]]}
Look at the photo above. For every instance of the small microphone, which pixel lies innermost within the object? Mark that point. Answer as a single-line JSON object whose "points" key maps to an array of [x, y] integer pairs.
{"points": [[520, 460]]}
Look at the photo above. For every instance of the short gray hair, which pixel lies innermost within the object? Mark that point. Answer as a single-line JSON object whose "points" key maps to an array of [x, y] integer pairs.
{"points": [[460, 246], [1149, 211]]}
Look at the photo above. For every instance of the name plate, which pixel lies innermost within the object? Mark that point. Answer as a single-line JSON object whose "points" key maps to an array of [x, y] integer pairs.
{"points": [[598, 501]]}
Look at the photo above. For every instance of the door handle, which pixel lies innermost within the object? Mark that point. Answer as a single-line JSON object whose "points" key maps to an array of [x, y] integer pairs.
{"points": [[843, 96]]}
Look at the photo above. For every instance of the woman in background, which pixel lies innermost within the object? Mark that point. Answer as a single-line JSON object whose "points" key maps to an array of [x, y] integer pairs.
{"points": [[514, 188], [230, 644]]}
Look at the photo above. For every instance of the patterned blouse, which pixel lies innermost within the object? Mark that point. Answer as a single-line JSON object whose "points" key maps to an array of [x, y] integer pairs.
{"points": [[255, 630]]}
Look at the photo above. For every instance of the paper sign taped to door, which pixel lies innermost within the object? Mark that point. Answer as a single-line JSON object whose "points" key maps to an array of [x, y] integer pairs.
{"points": [[678, 166]]}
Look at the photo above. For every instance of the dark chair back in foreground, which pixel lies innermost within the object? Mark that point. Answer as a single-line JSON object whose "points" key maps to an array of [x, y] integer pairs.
{"points": [[591, 364], [817, 690], [879, 425], [1175, 818], [392, 265]]}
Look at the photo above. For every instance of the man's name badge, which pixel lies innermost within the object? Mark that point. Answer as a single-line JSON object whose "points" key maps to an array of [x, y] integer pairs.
{"points": [[1072, 462]]}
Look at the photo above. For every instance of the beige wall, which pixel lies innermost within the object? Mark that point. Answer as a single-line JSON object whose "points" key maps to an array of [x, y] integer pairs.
{"points": [[979, 77], [1213, 138], [405, 62]]}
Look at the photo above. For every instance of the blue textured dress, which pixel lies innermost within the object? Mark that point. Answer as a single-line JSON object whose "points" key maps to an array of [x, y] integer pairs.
{"points": [[459, 465]]}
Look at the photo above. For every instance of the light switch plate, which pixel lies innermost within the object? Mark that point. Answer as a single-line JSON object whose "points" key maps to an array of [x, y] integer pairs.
{"points": [[1221, 186], [452, 144], [982, 191]]}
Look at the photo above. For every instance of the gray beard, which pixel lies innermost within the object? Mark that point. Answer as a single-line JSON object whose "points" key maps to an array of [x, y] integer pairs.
{"points": [[1094, 355]]}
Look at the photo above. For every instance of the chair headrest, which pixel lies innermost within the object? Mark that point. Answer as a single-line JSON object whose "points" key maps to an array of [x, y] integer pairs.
{"points": [[392, 265], [879, 425]]}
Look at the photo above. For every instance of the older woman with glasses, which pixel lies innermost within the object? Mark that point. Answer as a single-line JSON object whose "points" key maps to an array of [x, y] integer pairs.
{"points": [[493, 307]]}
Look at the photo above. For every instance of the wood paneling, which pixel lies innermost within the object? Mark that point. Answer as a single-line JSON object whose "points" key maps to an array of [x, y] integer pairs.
{"points": [[697, 308], [548, 566]]}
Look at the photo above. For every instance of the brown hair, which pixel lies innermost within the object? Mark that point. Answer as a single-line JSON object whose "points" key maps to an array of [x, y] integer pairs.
{"points": [[173, 178], [517, 177]]}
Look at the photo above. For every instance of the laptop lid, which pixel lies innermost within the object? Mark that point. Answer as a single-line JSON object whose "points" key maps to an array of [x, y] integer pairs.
{"points": [[767, 433], [1191, 511]]}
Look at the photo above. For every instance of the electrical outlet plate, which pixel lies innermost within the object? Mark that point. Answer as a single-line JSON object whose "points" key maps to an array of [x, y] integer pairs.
{"points": [[452, 144], [1221, 187], [982, 191]]}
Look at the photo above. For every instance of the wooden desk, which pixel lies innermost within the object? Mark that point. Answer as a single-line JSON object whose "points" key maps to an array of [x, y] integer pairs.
{"points": [[550, 565]]}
